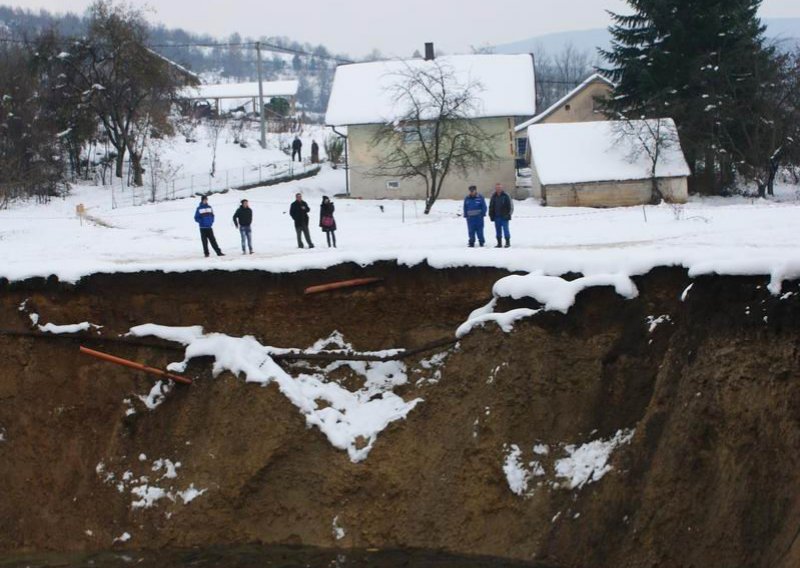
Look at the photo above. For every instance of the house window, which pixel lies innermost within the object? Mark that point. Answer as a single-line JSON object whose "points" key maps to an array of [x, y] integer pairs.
{"points": [[411, 134], [394, 184], [568, 107]]}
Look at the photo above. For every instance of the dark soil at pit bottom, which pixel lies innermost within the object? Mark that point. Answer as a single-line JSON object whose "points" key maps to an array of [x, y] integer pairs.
{"points": [[710, 478], [262, 557]]}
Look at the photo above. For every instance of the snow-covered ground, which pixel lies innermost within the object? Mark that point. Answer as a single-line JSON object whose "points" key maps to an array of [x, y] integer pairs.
{"points": [[724, 235]]}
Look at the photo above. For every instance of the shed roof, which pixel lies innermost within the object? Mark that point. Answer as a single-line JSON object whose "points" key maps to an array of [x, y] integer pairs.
{"points": [[585, 152], [364, 93], [241, 90]]}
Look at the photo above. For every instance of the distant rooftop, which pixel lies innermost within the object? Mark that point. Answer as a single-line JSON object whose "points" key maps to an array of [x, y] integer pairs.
{"points": [[363, 93], [241, 90]]}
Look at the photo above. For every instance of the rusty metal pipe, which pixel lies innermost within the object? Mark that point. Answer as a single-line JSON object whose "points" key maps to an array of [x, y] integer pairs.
{"points": [[134, 365], [341, 284]]}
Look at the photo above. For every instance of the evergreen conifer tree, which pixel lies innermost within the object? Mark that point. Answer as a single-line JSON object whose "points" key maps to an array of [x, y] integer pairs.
{"points": [[701, 62]]}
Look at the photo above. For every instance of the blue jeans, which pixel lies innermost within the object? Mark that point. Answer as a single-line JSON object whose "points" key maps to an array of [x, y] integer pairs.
{"points": [[247, 235], [475, 227], [501, 228]]}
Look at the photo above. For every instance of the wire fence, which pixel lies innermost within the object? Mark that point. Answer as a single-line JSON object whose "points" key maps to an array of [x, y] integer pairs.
{"points": [[180, 187]]}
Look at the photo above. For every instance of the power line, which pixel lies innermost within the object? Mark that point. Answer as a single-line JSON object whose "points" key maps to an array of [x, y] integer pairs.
{"points": [[248, 44]]}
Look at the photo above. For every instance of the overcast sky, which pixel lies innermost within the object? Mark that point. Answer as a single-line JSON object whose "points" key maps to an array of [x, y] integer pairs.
{"points": [[396, 27]]}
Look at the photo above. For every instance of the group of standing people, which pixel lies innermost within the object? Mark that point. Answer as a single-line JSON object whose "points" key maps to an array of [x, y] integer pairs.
{"points": [[243, 220], [500, 209], [299, 211], [297, 150]]}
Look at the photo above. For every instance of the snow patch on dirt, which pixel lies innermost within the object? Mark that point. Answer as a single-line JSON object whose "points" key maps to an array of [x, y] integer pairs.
{"points": [[588, 462], [351, 420]]}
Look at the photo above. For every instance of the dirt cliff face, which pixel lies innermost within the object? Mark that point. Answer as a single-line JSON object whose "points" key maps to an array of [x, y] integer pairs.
{"points": [[706, 389]]}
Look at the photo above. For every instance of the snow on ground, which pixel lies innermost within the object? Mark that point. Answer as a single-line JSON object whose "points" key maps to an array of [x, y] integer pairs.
{"points": [[67, 328], [580, 465], [588, 462], [518, 474], [729, 236], [147, 489]]}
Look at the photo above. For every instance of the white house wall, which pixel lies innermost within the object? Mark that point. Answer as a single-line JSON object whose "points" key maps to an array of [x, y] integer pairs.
{"points": [[614, 194], [364, 157]]}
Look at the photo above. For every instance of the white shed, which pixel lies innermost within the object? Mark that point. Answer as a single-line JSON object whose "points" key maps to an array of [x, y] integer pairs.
{"points": [[607, 164]]}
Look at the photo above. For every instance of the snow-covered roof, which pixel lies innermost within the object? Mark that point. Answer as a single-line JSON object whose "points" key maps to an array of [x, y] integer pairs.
{"points": [[241, 90], [363, 93], [177, 66], [583, 152], [596, 78]]}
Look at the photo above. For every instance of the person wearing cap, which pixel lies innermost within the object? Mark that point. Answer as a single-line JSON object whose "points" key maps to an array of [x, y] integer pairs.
{"points": [[243, 219], [474, 212], [204, 216], [501, 208]]}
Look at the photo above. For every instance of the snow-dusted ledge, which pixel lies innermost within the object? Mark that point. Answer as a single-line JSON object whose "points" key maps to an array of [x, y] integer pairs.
{"points": [[351, 420], [557, 294], [553, 292]]}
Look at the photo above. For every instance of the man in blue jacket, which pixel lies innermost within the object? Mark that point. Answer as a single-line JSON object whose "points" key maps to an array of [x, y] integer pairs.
{"points": [[204, 215], [474, 212]]}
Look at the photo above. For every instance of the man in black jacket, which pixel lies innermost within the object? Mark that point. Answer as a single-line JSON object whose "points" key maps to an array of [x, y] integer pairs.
{"points": [[243, 219], [501, 207], [299, 212], [297, 147]]}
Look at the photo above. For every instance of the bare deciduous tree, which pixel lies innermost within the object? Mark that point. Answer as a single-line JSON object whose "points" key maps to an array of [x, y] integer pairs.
{"points": [[215, 127], [433, 133], [650, 138], [126, 85]]}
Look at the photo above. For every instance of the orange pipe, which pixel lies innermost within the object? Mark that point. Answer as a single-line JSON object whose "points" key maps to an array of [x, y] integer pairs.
{"points": [[134, 365], [341, 284]]}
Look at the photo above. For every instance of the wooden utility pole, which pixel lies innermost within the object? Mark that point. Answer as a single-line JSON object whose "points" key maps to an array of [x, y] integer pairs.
{"points": [[261, 98]]}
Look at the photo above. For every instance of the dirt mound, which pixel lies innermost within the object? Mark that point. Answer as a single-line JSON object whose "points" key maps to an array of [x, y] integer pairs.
{"points": [[695, 404]]}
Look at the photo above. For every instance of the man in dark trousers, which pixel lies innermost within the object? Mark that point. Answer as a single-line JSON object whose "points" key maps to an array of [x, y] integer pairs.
{"points": [[474, 212], [299, 212], [501, 206], [204, 215], [297, 147], [243, 219]]}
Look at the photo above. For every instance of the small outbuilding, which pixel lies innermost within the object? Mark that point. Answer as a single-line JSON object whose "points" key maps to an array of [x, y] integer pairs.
{"points": [[228, 96], [607, 164]]}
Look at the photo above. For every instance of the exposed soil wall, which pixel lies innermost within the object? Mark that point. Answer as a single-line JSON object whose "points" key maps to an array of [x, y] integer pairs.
{"points": [[710, 477]]}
